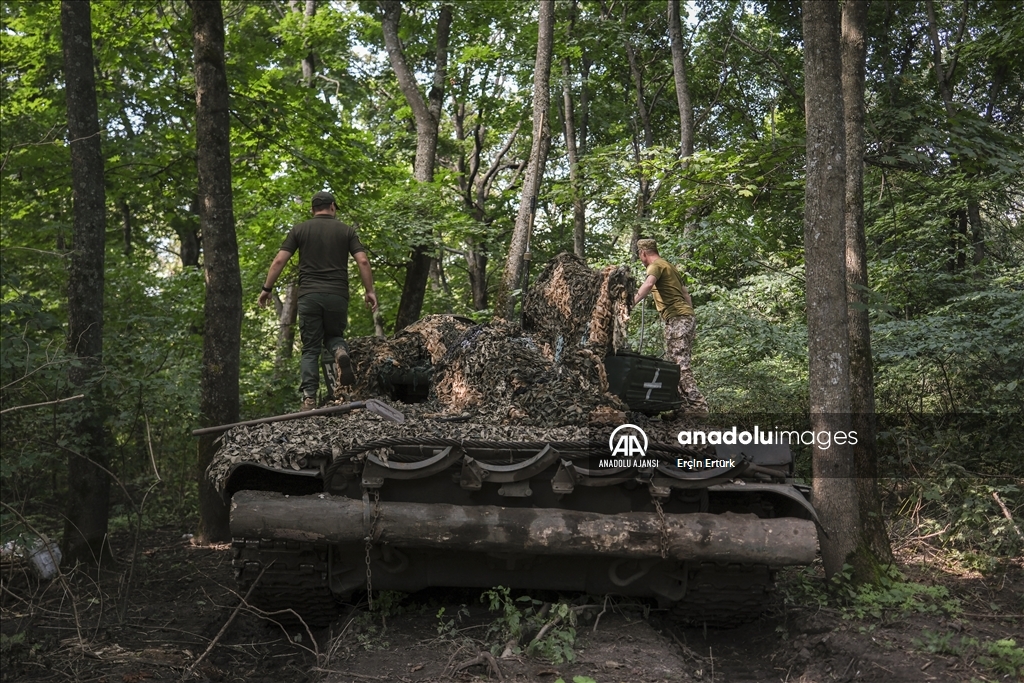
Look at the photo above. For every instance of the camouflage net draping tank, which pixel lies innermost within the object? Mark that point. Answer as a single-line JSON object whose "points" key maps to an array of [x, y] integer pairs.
{"points": [[496, 476]]}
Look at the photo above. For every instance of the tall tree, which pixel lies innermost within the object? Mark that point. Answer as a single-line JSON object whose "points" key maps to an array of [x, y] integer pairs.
{"points": [[834, 491], [85, 529], [579, 207], [219, 401], [309, 59], [675, 33], [862, 380], [521, 233], [427, 115], [960, 216]]}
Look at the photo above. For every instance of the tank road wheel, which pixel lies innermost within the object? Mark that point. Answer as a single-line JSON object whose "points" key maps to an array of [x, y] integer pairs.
{"points": [[295, 584], [724, 596]]}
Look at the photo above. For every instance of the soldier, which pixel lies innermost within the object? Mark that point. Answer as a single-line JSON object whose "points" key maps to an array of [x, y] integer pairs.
{"points": [[673, 302], [324, 244]]}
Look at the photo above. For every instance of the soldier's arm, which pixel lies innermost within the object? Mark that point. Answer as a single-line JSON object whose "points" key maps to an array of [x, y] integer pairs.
{"points": [[366, 275], [275, 270], [645, 289], [686, 294]]}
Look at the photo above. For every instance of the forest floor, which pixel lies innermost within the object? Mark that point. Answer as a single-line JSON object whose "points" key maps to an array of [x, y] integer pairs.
{"points": [[158, 620]]}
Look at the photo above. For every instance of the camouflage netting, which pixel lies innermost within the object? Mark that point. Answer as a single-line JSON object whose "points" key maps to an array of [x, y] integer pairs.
{"points": [[571, 305], [379, 364], [499, 381], [500, 372], [291, 445]]}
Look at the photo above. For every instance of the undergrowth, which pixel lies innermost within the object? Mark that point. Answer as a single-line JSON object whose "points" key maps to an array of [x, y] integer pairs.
{"points": [[1002, 657], [553, 626], [888, 601]]}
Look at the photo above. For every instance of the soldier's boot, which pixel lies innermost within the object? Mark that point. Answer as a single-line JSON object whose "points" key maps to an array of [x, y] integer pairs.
{"points": [[343, 363], [308, 403]]}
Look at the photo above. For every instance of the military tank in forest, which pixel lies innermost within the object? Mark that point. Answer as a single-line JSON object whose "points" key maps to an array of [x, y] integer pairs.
{"points": [[527, 456]]}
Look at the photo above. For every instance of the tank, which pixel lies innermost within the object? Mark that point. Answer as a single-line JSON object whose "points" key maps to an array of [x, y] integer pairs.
{"points": [[528, 455]]}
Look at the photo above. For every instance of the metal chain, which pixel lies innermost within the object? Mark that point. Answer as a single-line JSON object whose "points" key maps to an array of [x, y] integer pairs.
{"points": [[369, 547], [664, 526]]}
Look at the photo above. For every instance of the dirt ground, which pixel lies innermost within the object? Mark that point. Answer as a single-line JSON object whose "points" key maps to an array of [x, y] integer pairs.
{"points": [[164, 618]]}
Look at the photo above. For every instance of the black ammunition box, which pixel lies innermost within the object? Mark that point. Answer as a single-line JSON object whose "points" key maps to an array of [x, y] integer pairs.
{"points": [[647, 384]]}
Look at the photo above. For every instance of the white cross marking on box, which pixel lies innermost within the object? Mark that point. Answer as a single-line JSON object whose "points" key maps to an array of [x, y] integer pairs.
{"points": [[653, 384]]}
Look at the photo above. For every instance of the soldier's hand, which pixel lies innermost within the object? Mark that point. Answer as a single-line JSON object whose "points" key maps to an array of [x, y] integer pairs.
{"points": [[264, 299], [371, 300]]}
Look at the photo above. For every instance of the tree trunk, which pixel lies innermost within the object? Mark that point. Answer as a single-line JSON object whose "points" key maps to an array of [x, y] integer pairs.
{"points": [[218, 403], [85, 528], [309, 61], [538, 157], [474, 188], [286, 323], [835, 494], [126, 226], [584, 105], [427, 114], [579, 208], [675, 32], [476, 262], [698, 537], [862, 386], [944, 80]]}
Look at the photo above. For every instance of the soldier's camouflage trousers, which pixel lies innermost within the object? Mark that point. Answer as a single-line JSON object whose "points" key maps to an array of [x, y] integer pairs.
{"points": [[679, 335]]}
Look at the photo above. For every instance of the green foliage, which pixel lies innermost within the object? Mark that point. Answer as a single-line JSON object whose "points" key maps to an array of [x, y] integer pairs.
{"points": [[370, 628], [893, 598], [448, 627], [1000, 657], [962, 513], [1004, 657], [752, 343], [887, 601], [523, 616]]}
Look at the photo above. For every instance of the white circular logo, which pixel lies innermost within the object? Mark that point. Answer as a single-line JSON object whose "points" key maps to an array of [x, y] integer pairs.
{"points": [[627, 444]]}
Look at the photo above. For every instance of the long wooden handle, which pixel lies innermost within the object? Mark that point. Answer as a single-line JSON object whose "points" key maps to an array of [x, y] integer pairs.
{"points": [[330, 410]]}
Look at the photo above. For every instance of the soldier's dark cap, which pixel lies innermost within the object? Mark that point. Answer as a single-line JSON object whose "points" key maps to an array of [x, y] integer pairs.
{"points": [[322, 199]]}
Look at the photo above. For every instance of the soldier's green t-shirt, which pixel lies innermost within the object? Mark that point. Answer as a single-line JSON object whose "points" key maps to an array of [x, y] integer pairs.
{"points": [[324, 245], [668, 290]]}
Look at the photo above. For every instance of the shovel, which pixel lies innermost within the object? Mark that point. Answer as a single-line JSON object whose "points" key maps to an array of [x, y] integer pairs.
{"points": [[372, 405]]}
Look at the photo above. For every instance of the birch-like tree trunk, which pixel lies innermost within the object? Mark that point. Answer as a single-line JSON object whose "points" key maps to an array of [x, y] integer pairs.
{"points": [[511, 280]]}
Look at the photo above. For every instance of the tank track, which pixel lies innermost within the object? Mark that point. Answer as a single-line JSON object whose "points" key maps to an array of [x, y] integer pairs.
{"points": [[724, 596], [296, 579]]}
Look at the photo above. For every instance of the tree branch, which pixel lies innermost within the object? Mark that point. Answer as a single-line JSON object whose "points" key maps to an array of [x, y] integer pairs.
{"points": [[45, 403]]}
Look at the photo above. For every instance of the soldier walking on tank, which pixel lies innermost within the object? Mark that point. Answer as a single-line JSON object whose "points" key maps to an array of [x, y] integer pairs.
{"points": [[673, 302], [324, 244]]}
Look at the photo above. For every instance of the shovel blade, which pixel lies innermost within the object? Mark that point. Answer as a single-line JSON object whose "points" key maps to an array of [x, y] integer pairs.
{"points": [[384, 410]]}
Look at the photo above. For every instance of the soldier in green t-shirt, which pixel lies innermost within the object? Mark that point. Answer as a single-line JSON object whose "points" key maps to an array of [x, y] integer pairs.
{"points": [[324, 245], [673, 302]]}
